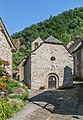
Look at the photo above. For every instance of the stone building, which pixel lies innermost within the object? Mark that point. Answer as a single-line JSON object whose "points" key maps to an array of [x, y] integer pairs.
{"points": [[6, 46], [49, 65], [21, 69], [77, 50]]}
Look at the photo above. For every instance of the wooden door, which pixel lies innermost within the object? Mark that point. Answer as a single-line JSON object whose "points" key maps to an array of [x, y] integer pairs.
{"points": [[52, 82]]}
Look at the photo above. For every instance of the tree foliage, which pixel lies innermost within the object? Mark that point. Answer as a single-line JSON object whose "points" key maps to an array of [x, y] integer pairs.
{"points": [[65, 27]]}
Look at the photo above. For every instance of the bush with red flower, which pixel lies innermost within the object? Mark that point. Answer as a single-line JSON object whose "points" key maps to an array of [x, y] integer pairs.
{"points": [[12, 88], [13, 94]]}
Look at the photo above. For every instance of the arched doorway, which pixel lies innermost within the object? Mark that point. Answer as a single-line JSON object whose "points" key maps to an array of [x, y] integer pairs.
{"points": [[52, 82]]}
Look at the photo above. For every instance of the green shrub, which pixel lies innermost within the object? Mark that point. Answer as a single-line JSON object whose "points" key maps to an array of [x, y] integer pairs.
{"points": [[12, 93], [7, 108]]}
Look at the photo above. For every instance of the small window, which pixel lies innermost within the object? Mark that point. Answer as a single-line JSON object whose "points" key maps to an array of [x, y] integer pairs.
{"points": [[36, 45], [53, 58]]}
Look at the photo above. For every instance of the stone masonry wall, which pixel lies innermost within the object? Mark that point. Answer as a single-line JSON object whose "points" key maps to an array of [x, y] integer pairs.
{"points": [[42, 66], [5, 51], [78, 64], [38, 40], [81, 63]]}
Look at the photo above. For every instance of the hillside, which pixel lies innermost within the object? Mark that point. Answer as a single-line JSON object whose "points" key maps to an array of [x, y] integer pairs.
{"points": [[65, 27]]}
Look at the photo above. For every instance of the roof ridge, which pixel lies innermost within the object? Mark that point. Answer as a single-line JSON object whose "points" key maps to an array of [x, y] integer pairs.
{"points": [[53, 40], [7, 35]]}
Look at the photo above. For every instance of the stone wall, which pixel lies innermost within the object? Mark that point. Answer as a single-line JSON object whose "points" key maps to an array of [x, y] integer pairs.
{"points": [[78, 64], [42, 66], [82, 63], [5, 51], [38, 40], [21, 70], [21, 73]]}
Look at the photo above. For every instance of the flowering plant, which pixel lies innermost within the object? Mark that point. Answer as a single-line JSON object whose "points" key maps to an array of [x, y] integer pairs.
{"points": [[10, 87], [11, 91], [3, 92]]}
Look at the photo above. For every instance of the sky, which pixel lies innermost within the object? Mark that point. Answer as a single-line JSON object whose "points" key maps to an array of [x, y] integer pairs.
{"points": [[18, 14]]}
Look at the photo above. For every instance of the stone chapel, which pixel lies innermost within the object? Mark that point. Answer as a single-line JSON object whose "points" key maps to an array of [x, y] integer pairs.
{"points": [[49, 65]]}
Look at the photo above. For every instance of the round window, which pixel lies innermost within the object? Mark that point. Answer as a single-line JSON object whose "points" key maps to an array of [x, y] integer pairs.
{"points": [[53, 58]]}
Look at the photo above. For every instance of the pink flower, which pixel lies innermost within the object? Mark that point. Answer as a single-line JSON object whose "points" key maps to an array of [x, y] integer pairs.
{"points": [[17, 89], [3, 92]]}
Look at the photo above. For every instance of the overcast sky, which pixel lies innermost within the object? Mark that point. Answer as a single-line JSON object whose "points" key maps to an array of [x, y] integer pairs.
{"points": [[18, 14]]}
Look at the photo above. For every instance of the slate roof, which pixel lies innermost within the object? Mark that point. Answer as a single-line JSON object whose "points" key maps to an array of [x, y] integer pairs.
{"points": [[75, 46], [51, 39]]}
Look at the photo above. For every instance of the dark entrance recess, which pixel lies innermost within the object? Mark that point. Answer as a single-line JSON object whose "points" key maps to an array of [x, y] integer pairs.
{"points": [[52, 82]]}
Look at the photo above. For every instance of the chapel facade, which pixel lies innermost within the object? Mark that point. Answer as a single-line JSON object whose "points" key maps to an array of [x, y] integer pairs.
{"points": [[49, 65]]}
